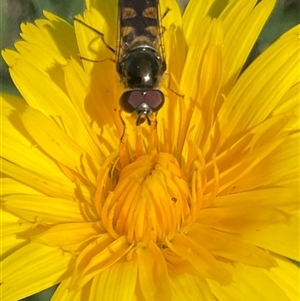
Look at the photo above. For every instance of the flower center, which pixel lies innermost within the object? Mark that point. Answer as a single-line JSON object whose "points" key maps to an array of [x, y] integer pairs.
{"points": [[151, 201]]}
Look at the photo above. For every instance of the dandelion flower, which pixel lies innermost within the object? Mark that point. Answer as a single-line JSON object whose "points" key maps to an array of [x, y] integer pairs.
{"points": [[201, 206]]}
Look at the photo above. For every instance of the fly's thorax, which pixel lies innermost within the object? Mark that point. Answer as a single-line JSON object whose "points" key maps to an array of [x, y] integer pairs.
{"points": [[141, 67], [141, 41]]}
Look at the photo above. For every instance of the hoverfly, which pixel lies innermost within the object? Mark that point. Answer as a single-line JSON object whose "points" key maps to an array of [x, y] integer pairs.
{"points": [[140, 57]]}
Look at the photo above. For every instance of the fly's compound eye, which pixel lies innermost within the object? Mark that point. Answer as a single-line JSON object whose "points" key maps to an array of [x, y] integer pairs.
{"points": [[139, 101]]}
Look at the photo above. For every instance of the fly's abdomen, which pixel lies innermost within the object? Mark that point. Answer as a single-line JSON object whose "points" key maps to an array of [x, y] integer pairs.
{"points": [[139, 19]]}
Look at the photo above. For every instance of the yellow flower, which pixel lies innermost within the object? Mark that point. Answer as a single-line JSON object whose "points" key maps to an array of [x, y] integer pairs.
{"points": [[201, 206]]}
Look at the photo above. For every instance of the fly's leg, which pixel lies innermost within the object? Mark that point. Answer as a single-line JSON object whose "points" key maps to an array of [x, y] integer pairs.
{"points": [[165, 13], [95, 61], [101, 35], [124, 125], [169, 86]]}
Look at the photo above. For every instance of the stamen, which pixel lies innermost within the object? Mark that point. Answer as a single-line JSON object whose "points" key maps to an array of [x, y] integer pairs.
{"points": [[102, 183], [142, 205], [215, 188]]}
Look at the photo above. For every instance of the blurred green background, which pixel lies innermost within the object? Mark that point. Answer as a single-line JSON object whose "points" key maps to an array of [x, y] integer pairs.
{"points": [[14, 12]]}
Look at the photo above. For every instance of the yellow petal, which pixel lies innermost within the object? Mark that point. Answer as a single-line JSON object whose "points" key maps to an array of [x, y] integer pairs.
{"points": [[205, 264], [17, 147], [99, 109], [275, 169], [193, 14], [173, 17], [240, 218], [251, 100], [248, 284], [287, 104], [48, 184], [107, 10], [204, 108], [281, 198], [227, 246], [56, 103], [242, 23], [98, 256], [11, 227], [259, 157], [31, 269], [189, 287], [63, 292], [47, 209], [70, 236], [153, 275], [211, 34], [47, 43], [116, 283], [90, 43], [53, 34], [11, 187], [56, 143], [281, 238], [286, 276], [94, 111]]}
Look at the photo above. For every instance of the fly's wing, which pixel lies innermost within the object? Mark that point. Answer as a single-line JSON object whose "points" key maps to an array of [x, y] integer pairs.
{"points": [[127, 23], [160, 46], [119, 50]]}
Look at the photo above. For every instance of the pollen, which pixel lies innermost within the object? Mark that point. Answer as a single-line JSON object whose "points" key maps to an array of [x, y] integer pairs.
{"points": [[151, 201]]}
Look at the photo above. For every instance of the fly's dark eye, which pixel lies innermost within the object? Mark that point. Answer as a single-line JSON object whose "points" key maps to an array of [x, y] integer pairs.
{"points": [[130, 100], [154, 99], [134, 100]]}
